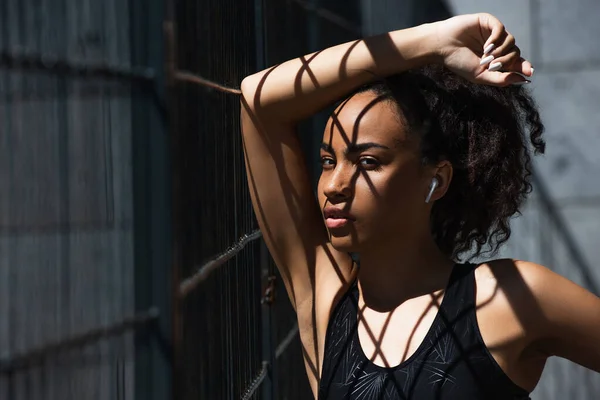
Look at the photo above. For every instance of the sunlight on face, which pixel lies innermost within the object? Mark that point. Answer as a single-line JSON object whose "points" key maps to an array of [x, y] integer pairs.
{"points": [[369, 189]]}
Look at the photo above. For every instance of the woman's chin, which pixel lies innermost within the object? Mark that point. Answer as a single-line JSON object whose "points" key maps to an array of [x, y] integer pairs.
{"points": [[345, 244]]}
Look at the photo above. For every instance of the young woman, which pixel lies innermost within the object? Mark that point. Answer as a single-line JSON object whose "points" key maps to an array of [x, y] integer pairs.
{"points": [[425, 159]]}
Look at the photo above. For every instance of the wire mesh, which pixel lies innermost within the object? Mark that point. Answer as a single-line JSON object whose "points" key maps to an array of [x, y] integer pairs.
{"points": [[214, 40], [189, 284], [213, 199]]}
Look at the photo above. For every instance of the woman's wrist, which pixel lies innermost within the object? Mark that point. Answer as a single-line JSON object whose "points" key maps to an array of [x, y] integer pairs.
{"points": [[416, 46], [432, 42]]}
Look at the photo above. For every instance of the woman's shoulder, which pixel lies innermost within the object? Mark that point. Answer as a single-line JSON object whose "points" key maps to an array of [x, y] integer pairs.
{"points": [[523, 286], [511, 272], [518, 278], [551, 311]]}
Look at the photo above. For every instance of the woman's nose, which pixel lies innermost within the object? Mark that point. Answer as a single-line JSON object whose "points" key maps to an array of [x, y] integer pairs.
{"points": [[339, 185]]}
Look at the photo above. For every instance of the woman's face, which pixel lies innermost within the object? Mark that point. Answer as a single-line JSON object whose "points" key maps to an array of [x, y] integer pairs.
{"points": [[372, 186]]}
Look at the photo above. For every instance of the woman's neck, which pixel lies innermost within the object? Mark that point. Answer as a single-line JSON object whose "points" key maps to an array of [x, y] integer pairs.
{"points": [[399, 269]]}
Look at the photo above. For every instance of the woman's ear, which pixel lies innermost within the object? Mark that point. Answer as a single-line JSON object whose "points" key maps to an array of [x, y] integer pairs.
{"points": [[440, 181]]}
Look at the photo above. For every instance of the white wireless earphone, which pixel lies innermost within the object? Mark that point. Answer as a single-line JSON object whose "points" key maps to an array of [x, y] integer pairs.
{"points": [[434, 183]]}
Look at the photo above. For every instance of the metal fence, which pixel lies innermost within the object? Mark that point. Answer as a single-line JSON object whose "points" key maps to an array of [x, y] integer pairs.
{"points": [[234, 324]]}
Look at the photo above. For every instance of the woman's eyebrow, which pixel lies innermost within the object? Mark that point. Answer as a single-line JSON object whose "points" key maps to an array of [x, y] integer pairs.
{"points": [[355, 147], [326, 147]]}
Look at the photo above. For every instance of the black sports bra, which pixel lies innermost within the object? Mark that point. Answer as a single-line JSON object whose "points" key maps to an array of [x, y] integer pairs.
{"points": [[452, 362]]}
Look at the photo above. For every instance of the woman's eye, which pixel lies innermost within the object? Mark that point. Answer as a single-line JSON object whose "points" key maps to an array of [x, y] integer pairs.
{"points": [[369, 163], [327, 162]]}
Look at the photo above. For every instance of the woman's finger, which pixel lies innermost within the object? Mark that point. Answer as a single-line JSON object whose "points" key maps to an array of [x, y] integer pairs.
{"points": [[495, 59], [522, 67], [504, 45], [520, 73], [503, 79], [496, 30], [507, 61]]}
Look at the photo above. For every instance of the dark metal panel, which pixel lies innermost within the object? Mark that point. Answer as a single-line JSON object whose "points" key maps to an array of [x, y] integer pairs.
{"points": [[66, 219], [152, 203]]}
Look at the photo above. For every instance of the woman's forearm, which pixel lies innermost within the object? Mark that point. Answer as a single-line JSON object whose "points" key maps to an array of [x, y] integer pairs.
{"points": [[301, 87]]}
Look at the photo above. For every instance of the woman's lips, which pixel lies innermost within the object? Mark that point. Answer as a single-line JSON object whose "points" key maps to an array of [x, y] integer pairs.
{"points": [[333, 223], [336, 217]]}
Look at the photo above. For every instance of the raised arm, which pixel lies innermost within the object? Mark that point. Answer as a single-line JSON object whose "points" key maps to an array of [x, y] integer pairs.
{"points": [[297, 89]]}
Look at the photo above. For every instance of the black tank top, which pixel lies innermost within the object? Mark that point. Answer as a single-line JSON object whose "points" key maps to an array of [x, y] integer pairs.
{"points": [[452, 362]]}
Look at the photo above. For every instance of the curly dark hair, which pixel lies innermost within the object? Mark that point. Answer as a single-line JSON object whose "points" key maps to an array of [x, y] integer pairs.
{"points": [[481, 130]]}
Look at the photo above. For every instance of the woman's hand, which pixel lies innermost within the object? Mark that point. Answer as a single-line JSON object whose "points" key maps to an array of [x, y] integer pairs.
{"points": [[479, 48]]}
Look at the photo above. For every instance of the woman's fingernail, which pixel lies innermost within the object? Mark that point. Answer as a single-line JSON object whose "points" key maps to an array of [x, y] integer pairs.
{"points": [[488, 48], [525, 82], [495, 66], [486, 60], [523, 75], [532, 71]]}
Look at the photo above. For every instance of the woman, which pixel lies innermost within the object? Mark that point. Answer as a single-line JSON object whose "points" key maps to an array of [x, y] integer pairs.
{"points": [[424, 160]]}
